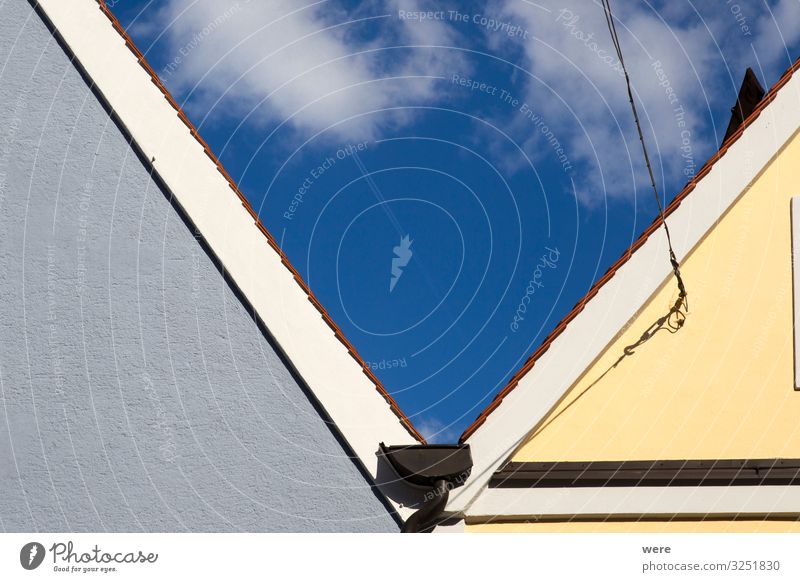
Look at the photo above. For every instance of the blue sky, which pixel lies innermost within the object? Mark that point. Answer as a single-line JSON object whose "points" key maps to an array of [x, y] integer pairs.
{"points": [[451, 178]]}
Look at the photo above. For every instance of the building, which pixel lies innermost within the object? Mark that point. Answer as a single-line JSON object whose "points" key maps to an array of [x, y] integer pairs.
{"points": [[162, 365], [644, 413]]}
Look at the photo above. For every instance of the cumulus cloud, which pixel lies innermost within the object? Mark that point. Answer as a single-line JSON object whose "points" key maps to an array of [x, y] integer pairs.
{"points": [[775, 31], [579, 90], [311, 64], [318, 66], [678, 60]]}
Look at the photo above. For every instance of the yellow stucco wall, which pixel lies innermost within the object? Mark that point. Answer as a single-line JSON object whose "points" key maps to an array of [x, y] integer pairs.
{"points": [[737, 526], [722, 386]]}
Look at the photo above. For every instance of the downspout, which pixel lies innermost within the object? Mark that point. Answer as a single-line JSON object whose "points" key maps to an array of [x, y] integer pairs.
{"points": [[426, 517], [437, 468]]}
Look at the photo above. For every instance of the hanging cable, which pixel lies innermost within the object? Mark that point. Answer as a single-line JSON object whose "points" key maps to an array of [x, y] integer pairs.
{"points": [[612, 29]]}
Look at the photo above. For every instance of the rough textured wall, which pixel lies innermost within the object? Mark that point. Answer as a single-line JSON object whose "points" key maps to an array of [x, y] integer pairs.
{"points": [[136, 391]]}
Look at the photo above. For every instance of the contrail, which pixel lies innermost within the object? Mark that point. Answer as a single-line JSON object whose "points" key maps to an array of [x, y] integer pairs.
{"points": [[372, 186], [397, 263]]}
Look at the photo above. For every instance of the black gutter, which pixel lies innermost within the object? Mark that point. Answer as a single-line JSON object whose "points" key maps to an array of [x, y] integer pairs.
{"points": [[437, 468]]}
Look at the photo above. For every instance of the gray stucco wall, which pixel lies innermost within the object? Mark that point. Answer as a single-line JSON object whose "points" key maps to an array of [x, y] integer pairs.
{"points": [[136, 392]]}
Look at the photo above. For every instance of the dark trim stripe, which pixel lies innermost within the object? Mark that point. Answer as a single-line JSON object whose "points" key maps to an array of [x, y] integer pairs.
{"points": [[719, 472]]}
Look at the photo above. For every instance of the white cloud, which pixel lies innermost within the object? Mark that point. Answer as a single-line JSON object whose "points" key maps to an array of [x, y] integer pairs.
{"points": [[673, 64], [306, 63], [777, 29], [582, 98], [301, 61], [435, 431]]}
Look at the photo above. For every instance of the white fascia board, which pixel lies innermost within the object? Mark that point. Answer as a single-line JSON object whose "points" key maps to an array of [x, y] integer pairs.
{"points": [[795, 217], [619, 300], [350, 398], [512, 504]]}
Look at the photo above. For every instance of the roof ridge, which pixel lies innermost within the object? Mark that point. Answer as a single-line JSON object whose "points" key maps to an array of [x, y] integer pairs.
{"points": [[404, 420], [611, 271]]}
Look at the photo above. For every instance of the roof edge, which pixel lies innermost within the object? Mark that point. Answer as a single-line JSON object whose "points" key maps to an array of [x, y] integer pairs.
{"points": [[404, 420], [612, 270]]}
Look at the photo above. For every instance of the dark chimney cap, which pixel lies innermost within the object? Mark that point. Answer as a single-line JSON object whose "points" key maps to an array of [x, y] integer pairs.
{"points": [[750, 95]]}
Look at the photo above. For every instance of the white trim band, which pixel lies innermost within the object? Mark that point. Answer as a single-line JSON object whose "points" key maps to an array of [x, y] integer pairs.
{"points": [[597, 502]]}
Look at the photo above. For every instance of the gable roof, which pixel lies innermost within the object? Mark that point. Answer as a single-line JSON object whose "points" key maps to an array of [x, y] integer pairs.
{"points": [[612, 270], [619, 294], [228, 223], [119, 74], [270, 239]]}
